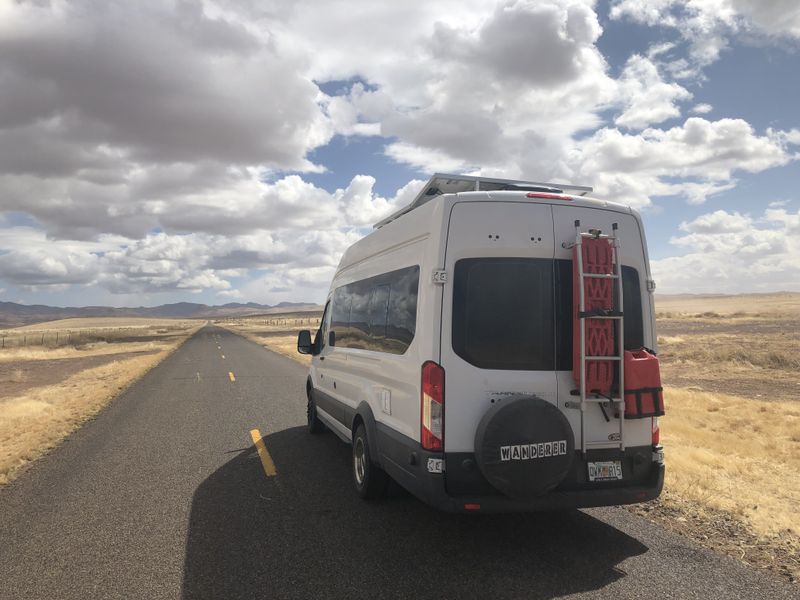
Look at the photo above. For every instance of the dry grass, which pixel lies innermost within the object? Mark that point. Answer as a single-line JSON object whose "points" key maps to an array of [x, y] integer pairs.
{"points": [[80, 332], [277, 332], [38, 418], [732, 430], [743, 305], [736, 455], [104, 323], [33, 353]]}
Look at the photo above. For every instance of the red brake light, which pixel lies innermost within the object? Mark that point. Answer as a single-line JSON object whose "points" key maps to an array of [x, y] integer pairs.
{"points": [[656, 432], [432, 407], [548, 196], [472, 506]]}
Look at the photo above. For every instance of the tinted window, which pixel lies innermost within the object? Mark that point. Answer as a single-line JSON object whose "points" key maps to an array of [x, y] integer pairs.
{"points": [[563, 298], [632, 309], [321, 339], [401, 320], [379, 313], [492, 295], [340, 314], [503, 313], [358, 331], [378, 309]]}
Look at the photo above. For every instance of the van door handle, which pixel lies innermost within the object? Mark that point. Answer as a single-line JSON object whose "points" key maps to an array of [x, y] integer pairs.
{"points": [[322, 358]]}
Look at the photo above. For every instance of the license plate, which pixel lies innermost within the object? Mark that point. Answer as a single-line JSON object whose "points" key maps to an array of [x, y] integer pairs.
{"points": [[609, 470]]}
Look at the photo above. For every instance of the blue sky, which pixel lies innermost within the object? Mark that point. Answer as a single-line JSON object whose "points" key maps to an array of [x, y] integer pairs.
{"points": [[218, 152]]}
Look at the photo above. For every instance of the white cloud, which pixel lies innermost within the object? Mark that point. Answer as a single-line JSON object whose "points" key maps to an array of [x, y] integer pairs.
{"points": [[733, 253], [648, 98], [702, 109], [695, 159], [708, 25], [289, 229], [168, 136]]}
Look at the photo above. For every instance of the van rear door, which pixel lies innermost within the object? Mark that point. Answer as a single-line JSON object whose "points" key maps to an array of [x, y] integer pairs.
{"points": [[638, 326], [497, 316]]}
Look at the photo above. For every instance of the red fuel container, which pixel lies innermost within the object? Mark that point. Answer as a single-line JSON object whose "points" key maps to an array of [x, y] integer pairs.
{"points": [[644, 396]]}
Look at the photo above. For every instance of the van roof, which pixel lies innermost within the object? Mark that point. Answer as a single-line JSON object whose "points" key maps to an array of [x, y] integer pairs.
{"points": [[445, 183]]}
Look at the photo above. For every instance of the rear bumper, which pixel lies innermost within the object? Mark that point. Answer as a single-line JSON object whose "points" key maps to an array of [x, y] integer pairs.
{"points": [[407, 464], [554, 500]]}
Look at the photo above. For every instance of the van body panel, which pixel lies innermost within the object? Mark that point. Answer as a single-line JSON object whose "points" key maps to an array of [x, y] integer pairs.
{"points": [[481, 230]]}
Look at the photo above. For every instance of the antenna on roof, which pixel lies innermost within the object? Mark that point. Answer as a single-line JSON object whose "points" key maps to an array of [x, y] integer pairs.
{"points": [[444, 183]]}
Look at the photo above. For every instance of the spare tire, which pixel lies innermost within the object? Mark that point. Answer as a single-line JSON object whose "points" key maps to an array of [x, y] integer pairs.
{"points": [[524, 446]]}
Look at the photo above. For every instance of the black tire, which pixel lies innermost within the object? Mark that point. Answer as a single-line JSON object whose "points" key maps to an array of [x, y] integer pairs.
{"points": [[370, 480], [315, 426]]}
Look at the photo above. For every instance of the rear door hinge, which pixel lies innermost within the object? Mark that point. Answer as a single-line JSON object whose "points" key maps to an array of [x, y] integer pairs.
{"points": [[651, 285], [439, 276]]}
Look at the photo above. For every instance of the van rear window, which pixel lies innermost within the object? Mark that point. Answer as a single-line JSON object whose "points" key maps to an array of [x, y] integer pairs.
{"points": [[503, 313], [516, 313]]}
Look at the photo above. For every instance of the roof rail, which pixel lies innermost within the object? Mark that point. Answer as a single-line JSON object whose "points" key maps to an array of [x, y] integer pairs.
{"points": [[445, 183]]}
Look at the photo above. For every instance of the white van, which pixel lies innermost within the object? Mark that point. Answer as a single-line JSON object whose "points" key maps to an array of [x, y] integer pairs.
{"points": [[445, 352]]}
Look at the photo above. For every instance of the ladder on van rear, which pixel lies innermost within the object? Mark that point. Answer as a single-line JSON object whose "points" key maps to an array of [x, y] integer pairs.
{"points": [[599, 275]]}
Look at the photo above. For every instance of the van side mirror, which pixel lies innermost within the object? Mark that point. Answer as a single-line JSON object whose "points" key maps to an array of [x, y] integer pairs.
{"points": [[304, 345], [331, 338]]}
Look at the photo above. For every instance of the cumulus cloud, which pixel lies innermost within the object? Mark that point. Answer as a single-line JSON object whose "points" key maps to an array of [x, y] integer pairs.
{"points": [[161, 146], [648, 98], [288, 228], [708, 25], [696, 159], [727, 252], [702, 108]]}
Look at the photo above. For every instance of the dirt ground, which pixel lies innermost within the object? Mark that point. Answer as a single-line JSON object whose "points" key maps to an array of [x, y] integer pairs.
{"points": [[752, 357], [18, 377]]}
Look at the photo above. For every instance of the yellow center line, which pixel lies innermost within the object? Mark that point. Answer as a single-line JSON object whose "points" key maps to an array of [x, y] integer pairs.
{"points": [[263, 454], [231, 375]]}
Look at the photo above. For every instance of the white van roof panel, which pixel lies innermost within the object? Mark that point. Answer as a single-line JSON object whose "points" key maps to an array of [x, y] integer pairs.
{"points": [[445, 183]]}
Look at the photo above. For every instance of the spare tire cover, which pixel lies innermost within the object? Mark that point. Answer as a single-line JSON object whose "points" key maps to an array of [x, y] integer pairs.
{"points": [[524, 446]]}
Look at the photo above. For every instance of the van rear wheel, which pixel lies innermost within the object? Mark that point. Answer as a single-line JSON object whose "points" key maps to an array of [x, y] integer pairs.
{"points": [[370, 480], [314, 424]]}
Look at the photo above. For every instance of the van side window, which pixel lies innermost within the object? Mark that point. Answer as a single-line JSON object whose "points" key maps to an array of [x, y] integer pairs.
{"points": [[340, 314], [321, 339], [378, 313], [401, 321], [358, 331], [632, 309], [503, 313], [378, 309]]}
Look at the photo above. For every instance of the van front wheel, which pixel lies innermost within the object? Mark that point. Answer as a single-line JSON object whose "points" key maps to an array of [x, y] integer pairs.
{"points": [[369, 479]]}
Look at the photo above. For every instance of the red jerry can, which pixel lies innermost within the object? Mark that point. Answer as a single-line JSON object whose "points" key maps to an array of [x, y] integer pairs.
{"points": [[644, 396]]}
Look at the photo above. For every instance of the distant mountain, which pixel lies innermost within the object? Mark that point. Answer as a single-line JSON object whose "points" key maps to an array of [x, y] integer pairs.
{"points": [[14, 315]]}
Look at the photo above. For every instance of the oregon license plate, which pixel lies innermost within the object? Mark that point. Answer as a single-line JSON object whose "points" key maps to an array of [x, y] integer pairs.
{"points": [[609, 470]]}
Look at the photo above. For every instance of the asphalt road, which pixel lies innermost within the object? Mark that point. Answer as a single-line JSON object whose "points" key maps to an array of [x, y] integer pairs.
{"points": [[163, 495]]}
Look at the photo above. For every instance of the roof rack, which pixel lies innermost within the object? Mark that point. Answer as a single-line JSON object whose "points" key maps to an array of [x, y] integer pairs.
{"points": [[445, 183]]}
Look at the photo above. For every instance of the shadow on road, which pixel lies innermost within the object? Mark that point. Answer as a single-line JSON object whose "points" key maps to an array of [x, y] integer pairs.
{"points": [[305, 534]]}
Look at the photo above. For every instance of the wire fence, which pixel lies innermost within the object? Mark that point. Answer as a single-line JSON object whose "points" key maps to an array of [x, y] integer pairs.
{"points": [[56, 338], [276, 322]]}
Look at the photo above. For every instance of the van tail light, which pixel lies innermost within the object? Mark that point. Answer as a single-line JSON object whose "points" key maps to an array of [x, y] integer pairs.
{"points": [[432, 407], [656, 432]]}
